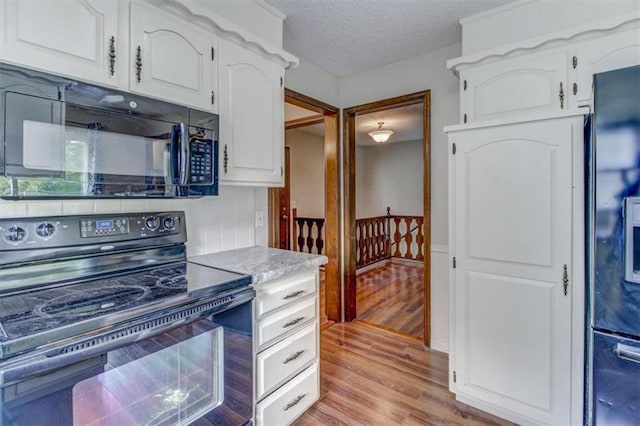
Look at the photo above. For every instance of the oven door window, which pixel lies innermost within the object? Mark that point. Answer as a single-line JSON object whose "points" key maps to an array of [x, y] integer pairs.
{"points": [[198, 370], [173, 386]]}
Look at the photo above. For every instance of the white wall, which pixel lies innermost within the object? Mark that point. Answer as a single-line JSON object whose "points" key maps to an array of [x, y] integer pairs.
{"points": [[389, 175], [313, 81], [213, 223], [526, 19], [307, 172]]}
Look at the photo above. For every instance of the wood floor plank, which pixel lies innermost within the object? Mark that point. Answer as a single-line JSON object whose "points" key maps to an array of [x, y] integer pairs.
{"points": [[392, 296], [366, 379]]}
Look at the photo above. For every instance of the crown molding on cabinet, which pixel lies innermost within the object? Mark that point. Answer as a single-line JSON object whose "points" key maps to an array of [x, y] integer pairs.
{"points": [[549, 40], [194, 12]]}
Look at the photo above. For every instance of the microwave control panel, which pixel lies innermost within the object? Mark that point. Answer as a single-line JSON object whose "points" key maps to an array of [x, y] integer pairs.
{"points": [[201, 164]]}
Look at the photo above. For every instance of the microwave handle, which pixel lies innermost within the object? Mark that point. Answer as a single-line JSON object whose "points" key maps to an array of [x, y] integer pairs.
{"points": [[179, 154], [183, 154]]}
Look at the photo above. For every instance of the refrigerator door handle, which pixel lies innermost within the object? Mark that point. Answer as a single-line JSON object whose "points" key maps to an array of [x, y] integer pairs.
{"points": [[627, 352]]}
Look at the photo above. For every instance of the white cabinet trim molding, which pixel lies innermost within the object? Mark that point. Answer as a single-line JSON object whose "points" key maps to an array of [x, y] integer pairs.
{"points": [[202, 17], [591, 29]]}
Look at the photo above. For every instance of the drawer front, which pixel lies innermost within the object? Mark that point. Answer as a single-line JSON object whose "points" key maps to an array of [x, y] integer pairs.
{"points": [[272, 326], [291, 400], [283, 360], [283, 292]]}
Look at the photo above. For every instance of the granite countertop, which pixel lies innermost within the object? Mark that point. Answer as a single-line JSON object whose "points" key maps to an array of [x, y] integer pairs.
{"points": [[262, 263]]}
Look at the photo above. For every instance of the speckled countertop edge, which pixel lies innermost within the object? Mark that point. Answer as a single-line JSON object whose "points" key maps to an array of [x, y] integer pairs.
{"points": [[262, 263]]}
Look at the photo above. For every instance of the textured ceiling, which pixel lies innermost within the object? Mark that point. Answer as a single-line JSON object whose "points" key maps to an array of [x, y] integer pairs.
{"points": [[349, 36]]}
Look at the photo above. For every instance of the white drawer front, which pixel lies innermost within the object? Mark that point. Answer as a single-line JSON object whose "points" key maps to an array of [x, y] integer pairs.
{"points": [[281, 293], [274, 325], [291, 400], [284, 359]]}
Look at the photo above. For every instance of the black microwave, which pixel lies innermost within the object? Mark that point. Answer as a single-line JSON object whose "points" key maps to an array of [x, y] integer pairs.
{"points": [[61, 138]]}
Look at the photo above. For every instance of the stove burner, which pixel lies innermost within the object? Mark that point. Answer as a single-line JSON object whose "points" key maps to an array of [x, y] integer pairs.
{"points": [[174, 281], [90, 302]]}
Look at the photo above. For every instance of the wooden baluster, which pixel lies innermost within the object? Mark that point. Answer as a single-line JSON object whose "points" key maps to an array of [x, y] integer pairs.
{"points": [[420, 238], [300, 239], [361, 244], [320, 240], [294, 213], [387, 234], [408, 238], [309, 236], [397, 236]]}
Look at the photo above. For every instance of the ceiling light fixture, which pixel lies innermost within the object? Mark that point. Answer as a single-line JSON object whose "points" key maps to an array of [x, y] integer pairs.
{"points": [[381, 135]]}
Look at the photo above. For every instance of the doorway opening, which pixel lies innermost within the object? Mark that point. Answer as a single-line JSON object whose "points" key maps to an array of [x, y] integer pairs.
{"points": [[375, 238], [303, 222]]}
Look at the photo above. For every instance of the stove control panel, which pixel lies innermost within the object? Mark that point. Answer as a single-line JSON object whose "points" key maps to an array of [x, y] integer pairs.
{"points": [[100, 227], [63, 231]]}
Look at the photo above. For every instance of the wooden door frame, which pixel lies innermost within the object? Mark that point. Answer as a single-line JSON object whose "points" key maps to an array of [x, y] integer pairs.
{"points": [[330, 116], [349, 215]]}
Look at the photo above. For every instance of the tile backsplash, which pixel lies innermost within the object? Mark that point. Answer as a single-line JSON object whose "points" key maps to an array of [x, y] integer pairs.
{"points": [[213, 223]]}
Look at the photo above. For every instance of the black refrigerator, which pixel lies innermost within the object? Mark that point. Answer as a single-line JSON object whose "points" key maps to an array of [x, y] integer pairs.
{"points": [[613, 251]]}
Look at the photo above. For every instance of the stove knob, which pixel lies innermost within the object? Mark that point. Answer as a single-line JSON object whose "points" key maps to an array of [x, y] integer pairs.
{"points": [[152, 223], [45, 230], [168, 223], [15, 234]]}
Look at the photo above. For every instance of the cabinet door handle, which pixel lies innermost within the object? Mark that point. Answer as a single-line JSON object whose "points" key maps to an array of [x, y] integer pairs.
{"points": [[292, 295], [139, 64], [561, 96], [295, 401], [213, 97], [293, 322], [293, 357], [112, 55], [565, 279], [225, 159]]}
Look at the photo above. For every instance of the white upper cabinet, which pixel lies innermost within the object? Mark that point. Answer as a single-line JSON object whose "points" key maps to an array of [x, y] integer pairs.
{"points": [[77, 38], [512, 284], [251, 118], [171, 58], [515, 88], [613, 51]]}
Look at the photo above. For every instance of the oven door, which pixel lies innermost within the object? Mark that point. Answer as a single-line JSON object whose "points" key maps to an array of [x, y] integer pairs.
{"points": [[202, 370]]}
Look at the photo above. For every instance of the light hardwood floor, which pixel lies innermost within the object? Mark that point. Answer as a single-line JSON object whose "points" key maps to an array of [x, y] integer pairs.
{"points": [[373, 377], [392, 296]]}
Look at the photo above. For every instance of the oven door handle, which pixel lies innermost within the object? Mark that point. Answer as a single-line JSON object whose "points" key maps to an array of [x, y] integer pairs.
{"points": [[49, 359]]}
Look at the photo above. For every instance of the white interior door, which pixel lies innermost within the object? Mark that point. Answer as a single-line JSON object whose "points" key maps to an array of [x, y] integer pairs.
{"points": [[513, 201]]}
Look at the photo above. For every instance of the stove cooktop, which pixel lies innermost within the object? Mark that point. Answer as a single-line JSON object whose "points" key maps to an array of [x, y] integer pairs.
{"points": [[90, 304]]}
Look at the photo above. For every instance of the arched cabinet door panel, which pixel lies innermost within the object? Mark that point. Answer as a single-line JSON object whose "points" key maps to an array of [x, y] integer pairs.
{"points": [[512, 231], [251, 118], [534, 84], [171, 59], [77, 38]]}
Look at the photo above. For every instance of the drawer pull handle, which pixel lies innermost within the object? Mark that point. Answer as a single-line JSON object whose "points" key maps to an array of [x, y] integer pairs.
{"points": [[293, 322], [292, 295], [295, 401], [627, 352], [292, 357]]}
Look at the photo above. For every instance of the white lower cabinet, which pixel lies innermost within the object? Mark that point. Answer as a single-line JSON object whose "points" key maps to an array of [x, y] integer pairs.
{"points": [[512, 202], [286, 343], [291, 400]]}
